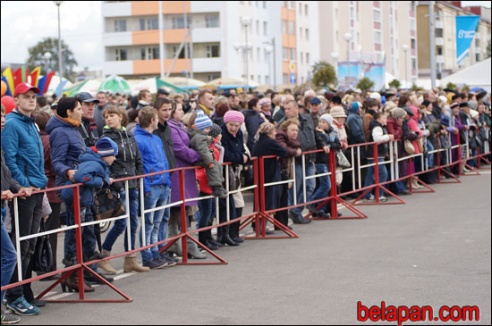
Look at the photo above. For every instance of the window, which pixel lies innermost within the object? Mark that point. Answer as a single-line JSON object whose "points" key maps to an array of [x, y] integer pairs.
{"points": [[377, 37], [121, 54], [307, 34], [213, 51], [477, 57], [300, 8], [292, 28], [293, 54], [285, 53], [414, 64], [264, 4], [300, 33], [212, 77], [301, 57], [267, 79], [258, 55], [149, 23], [266, 55], [178, 22], [307, 58], [292, 5], [181, 54], [439, 50], [257, 27], [120, 25], [211, 21], [259, 79], [285, 4], [306, 9], [285, 79], [257, 3], [149, 53], [284, 26], [265, 28], [376, 15], [412, 44]]}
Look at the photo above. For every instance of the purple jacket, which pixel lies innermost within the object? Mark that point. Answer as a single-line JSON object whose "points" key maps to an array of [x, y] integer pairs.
{"points": [[185, 157]]}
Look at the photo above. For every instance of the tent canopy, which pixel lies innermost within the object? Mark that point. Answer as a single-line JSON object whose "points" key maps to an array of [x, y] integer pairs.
{"points": [[477, 75]]}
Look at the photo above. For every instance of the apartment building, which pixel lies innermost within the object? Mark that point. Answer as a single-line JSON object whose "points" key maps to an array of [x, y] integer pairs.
{"points": [[370, 32], [269, 41], [445, 13]]}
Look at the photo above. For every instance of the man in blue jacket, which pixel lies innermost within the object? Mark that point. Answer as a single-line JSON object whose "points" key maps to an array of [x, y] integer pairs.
{"points": [[24, 156]]}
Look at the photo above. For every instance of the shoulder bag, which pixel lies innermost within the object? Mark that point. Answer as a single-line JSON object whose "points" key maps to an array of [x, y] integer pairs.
{"points": [[108, 204]]}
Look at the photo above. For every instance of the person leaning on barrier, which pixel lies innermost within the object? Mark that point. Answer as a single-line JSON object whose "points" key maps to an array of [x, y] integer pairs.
{"points": [[24, 156], [128, 163], [266, 145], [9, 256], [378, 134], [394, 127]]}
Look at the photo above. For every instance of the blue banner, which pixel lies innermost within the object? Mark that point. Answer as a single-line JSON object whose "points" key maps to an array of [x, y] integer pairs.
{"points": [[465, 31]]}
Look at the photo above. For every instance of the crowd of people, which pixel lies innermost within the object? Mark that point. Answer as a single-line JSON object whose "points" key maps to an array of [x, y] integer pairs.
{"points": [[98, 140]]}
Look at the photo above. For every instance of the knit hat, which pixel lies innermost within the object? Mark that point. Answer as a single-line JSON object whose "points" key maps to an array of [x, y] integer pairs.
{"points": [[327, 118], [445, 121], [426, 103], [473, 105], [375, 96], [264, 101], [338, 112], [202, 121], [106, 147], [215, 130], [315, 100], [398, 113], [233, 116]]}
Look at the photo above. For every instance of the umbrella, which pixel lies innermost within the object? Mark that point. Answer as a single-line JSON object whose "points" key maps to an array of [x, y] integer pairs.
{"points": [[115, 84], [153, 84], [89, 85]]}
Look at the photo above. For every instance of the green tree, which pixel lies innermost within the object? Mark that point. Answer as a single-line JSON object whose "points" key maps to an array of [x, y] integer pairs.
{"points": [[365, 84], [324, 74], [395, 83], [50, 45]]}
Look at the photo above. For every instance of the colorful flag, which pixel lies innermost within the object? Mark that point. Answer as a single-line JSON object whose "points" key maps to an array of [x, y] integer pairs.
{"points": [[465, 31], [35, 75], [44, 82], [9, 79]]}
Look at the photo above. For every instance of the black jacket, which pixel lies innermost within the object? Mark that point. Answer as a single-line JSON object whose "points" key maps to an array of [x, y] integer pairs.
{"points": [[306, 136], [330, 138], [128, 162], [164, 133]]}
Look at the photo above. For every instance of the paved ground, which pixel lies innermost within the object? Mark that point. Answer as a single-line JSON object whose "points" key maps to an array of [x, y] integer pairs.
{"points": [[434, 250]]}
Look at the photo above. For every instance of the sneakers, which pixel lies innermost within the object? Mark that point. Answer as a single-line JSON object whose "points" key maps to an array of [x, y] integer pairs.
{"points": [[91, 279], [21, 307], [383, 199], [298, 219], [370, 197], [9, 318], [168, 259], [155, 264]]}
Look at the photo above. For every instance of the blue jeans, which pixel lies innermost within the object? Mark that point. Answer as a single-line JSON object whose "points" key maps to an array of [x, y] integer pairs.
{"points": [[206, 211], [165, 220], [383, 174], [159, 195], [88, 236], [430, 156], [324, 185], [120, 225], [300, 182], [9, 257]]}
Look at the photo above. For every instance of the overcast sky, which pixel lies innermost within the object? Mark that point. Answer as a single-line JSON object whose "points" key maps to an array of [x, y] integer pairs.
{"points": [[25, 23]]}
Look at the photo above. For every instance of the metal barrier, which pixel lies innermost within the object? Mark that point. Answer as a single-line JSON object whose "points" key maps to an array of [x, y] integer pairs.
{"points": [[260, 215]]}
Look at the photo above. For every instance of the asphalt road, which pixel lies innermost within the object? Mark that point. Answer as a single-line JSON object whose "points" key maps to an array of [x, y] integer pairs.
{"points": [[434, 250]]}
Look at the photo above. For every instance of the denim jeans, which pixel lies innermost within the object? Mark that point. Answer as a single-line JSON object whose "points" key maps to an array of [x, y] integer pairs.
{"points": [[88, 236], [430, 156], [324, 185], [206, 211], [159, 195], [120, 225], [165, 220], [9, 257], [300, 182], [383, 174]]}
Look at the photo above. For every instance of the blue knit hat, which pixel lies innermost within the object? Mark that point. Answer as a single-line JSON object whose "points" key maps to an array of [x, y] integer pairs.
{"points": [[354, 107], [106, 147], [215, 130], [202, 121]]}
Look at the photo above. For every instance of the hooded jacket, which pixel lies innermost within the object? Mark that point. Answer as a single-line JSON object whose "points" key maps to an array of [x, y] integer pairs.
{"points": [[23, 150]]}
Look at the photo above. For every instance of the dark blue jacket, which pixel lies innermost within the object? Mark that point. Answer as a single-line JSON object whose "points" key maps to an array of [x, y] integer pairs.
{"points": [[93, 172], [66, 145], [23, 150]]}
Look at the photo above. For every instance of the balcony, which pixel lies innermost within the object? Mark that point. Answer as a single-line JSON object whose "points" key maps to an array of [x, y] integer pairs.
{"points": [[439, 41]]}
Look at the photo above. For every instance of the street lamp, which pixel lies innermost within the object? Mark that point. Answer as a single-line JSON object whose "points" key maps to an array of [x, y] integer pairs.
{"points": [[404, 47], [47, 58], [334, 56], [245, 22], [348, 37], [60, 64], [272, 43]]}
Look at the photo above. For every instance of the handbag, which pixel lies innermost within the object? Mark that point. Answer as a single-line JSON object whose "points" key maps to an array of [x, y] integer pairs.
{"points": [[342, 160], [420, 142], [407, 144], [234, 180], [43, 254], [108, 204]]}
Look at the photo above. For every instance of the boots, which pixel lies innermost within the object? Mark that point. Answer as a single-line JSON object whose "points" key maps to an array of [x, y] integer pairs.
{"points": [[193, 251], [234, 232], [131, 265], [71, 284], [173, 230], [224, 237], [106, 265], [415, 183], [204, 238]]}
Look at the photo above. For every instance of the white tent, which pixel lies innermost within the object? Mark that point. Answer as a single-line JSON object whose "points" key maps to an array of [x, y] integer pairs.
{"points": [[477, 75]]}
